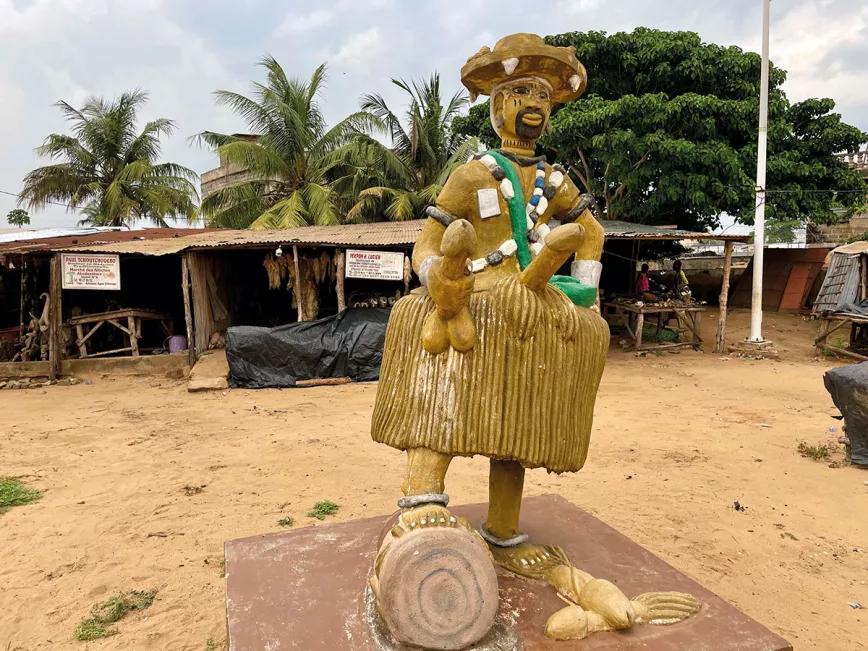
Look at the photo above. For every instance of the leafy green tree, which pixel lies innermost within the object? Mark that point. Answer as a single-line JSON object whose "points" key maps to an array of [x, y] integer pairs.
{"points": [[109, 169], [667, 134], [292, 160], [398, 181], [18, 217]]}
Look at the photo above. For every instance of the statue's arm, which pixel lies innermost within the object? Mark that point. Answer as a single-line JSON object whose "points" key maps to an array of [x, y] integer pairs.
{"points": [[575, 207], [450, 206]]}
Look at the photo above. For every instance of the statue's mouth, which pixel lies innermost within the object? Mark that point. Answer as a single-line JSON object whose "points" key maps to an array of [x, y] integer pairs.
{"points": [[529, 123]]}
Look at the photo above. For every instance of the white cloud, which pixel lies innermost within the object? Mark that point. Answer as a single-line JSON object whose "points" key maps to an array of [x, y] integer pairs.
{"points": [[360, 50], [304, 23]]}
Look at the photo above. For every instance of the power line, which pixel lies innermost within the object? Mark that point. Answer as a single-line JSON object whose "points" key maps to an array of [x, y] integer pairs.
{"points": [[53, 203]]}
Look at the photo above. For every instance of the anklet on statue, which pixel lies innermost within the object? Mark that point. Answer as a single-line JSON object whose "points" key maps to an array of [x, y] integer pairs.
{"points": [[410, 501], [491, 539]]}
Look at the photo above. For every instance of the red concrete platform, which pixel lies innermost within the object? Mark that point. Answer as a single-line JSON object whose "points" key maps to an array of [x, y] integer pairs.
{"points": [[302, 589]]}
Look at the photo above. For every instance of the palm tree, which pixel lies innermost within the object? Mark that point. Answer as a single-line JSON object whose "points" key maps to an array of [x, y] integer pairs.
{"points": [[404, 178], [110, 170], [290, 163]]}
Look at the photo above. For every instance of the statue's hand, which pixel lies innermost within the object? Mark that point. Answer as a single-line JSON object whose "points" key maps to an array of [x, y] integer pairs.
{"points": [[448, 294], [450, 282]]}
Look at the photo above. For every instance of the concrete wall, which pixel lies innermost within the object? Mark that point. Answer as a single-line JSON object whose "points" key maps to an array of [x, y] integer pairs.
{"points": [[839, 233], [174, 365]]}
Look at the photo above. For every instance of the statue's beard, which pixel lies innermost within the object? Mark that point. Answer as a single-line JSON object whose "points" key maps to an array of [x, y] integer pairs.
{"points": [[527, 132]]}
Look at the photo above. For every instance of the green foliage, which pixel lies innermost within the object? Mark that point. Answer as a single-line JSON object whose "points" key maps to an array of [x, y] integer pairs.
{"points": [[321, 509], [667, 134], [819, 452], [18, 217], [109, 169], [110, 611], [14, 493], [398, 181], [290, 155], [93, 629], [287, 521]]}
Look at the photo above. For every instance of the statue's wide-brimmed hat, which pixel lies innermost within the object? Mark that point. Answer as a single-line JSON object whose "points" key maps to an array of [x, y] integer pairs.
{"points": [[525, 55]]}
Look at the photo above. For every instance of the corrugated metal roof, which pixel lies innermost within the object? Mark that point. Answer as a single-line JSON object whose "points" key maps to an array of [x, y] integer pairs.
{"points": [[841, 285], [28, 234], [89, 239], [380, 234], [629, 230]]}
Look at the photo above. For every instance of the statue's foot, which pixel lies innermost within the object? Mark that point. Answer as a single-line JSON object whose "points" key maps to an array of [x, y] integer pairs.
{"points": [[434, 581], [598, 605], [576, 623]]}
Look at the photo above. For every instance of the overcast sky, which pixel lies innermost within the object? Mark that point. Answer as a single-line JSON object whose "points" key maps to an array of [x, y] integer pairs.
{"points": [[180, 51]]}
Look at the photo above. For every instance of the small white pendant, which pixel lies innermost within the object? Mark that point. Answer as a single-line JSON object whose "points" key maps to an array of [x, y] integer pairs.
{"points": [[489, 203]]}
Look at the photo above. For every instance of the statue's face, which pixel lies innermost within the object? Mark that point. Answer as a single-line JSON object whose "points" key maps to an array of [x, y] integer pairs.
{"points": [[525, 106]]}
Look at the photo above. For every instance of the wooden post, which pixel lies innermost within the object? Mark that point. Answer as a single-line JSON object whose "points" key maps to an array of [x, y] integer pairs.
{"points": [[340, 257], [640, 324], [55, 320], [720, 344], [22, 302], [188, 313], [133, 328], [299, 298]]}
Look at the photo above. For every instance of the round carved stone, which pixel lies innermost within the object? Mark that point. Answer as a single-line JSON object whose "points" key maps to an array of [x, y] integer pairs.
{"points": [[437, 589]]}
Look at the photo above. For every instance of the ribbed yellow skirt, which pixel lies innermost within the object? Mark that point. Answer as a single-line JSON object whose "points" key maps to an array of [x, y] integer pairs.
{"points": [[525, 392]]}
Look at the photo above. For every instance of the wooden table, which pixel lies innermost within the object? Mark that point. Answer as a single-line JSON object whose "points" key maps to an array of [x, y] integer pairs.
{"points": [[832, 322], [632, 316], [87, 324]]}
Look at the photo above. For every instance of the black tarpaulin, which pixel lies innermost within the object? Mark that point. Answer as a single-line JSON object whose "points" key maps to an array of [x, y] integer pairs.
{"points": [[349, 344], [849, 388]]}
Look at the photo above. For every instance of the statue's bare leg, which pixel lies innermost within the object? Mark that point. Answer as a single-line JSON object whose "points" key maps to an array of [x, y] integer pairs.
{"points": [[597, 604]]}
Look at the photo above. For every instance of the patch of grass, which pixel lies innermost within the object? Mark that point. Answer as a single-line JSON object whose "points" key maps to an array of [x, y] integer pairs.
{"points": [[321, 509], [210, 645], [93, 629], [819, 452], [110, 611], [14, 493], [288, 521]]}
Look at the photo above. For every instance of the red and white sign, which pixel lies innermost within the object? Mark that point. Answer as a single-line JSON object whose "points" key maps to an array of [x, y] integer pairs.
{"points": [[376, 265], [90, 271]]}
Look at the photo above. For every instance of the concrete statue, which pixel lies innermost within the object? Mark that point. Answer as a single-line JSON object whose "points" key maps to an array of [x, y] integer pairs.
{"points": [[496, 355]]}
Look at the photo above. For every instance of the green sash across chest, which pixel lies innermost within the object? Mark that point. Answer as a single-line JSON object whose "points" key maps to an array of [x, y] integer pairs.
{"points": [[578, 292]]}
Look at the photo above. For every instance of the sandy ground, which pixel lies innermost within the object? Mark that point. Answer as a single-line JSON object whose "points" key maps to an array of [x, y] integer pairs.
{"points": [[678, 438]]}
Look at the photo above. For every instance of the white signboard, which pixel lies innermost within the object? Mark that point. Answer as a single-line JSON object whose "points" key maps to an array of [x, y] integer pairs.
{"points": [[378, 265], [90, 271]]}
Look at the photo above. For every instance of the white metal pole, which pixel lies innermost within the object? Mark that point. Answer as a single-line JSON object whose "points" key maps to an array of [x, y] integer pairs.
{"points": [[756, 309]]}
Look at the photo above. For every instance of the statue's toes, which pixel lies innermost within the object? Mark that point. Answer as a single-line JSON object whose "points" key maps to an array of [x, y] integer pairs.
{"points": [[570, 623], [665, 607], [605, 599]]}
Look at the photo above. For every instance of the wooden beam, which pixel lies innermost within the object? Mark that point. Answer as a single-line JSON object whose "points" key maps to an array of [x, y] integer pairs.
{"points": [[720, 344], [188, 313], [299, 298], [341, 260], [55, 317]]}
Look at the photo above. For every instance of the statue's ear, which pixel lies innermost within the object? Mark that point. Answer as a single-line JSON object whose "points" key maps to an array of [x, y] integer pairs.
{"points": [[495, 111], [497, 104]]}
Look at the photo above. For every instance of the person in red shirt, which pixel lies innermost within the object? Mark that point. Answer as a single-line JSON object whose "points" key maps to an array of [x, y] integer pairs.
{"points": [[643, 281]]}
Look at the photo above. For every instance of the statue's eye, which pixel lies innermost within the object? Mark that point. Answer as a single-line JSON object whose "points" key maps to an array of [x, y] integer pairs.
{"points": [[521, 90]]}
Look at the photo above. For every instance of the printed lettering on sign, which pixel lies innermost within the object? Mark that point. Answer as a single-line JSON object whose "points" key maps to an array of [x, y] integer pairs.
{"points": [[90, 271], [375, 265]]}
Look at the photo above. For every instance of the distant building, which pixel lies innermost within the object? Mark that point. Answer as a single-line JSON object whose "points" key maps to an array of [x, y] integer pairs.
{"points": [[857, 226], [227, 174]]}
